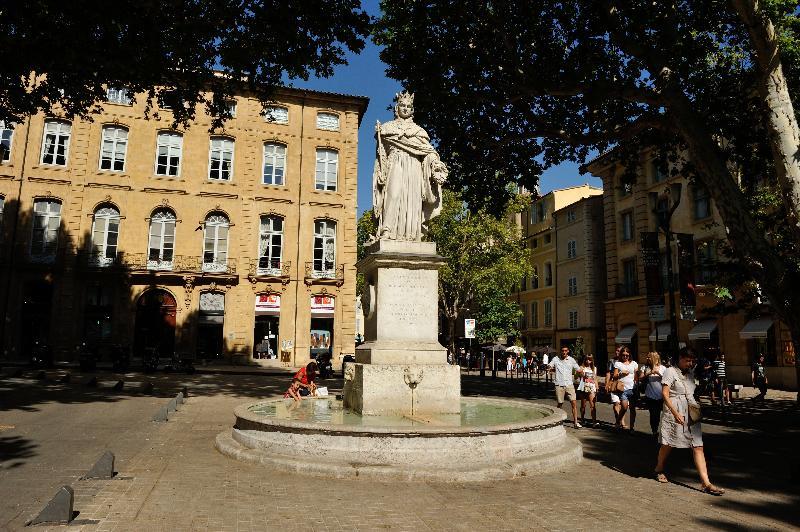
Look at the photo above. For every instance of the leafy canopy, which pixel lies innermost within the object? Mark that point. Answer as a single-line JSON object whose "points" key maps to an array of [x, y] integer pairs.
{"points": [[76, 48]]}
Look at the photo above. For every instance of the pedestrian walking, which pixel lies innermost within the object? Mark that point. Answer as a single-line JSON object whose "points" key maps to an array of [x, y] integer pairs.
{"points": [[680, 420], [565, 367], [651, 375], [609, 380], [625, 370], [721, 382], [545, 366], [587, 388], [510, 366], [759, 376]]}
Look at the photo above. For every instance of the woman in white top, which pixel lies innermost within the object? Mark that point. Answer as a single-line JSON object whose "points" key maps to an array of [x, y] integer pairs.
{"points": [[626, 371], [651, 375], [587, 388], [677, 428]]}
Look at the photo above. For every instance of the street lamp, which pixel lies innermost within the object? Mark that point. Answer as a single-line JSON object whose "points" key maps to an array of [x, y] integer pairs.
{"points": [[664, 206]]}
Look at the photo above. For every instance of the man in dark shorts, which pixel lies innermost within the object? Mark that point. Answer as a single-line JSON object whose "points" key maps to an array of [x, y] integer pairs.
{"points": [[759, 376]]}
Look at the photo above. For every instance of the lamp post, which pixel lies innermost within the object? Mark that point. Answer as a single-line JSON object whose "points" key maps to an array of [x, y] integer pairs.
{"points": [[663, 212]]}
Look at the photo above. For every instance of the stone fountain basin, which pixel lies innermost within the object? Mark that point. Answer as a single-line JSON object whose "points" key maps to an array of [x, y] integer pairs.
{"points": [[425, 449]]}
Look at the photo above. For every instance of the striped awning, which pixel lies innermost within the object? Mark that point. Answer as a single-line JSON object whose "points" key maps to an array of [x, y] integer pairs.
{"points": [[757, 328], [703, 330], [626, 335]]}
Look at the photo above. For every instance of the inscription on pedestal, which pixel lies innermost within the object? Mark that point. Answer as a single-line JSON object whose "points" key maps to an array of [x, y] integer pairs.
{"points": [[409, 297]]}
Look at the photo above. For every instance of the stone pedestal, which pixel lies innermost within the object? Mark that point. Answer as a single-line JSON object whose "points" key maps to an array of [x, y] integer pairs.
{"points": [[401, 369]]}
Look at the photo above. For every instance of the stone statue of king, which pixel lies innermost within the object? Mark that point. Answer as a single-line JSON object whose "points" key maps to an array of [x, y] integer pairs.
{"points": [[408, 175]]}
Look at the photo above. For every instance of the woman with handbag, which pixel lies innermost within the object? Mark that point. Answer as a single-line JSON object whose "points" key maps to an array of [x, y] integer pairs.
{"points": [[680, 420]]}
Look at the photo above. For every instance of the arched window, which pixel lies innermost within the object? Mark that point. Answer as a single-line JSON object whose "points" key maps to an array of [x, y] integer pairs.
{"points": [[215, 243], [220, 159], [327, 169], [548, 274], [324, 248], [328, 121], [270, 245], [55, 142], [161, 240], [105, 233], [113, 148], [276, 114], [535, 278], [46, 221], [274, 164]]}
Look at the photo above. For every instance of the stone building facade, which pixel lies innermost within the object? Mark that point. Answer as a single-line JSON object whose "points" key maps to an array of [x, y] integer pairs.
{"points": [[538, 296], [581, 274], [239, 243], [628, 212]]}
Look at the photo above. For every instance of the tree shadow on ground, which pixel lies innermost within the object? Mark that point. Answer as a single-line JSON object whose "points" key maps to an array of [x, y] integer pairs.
{"points": [[14, 449]]}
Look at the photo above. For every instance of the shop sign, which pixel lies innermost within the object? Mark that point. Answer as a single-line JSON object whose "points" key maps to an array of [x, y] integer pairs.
{"points": [[268, 302], [322, 304]]}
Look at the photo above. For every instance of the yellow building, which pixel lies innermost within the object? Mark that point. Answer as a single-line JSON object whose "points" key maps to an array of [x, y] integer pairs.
{"points": [[537, 296], [240, 243], [628, 213]]}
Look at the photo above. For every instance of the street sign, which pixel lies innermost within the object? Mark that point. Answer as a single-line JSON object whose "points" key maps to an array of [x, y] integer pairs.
{"points": [[469, 328]]}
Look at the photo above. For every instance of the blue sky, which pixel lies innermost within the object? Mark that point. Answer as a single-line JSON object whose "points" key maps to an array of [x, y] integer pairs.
{"points": [[365, 75]]}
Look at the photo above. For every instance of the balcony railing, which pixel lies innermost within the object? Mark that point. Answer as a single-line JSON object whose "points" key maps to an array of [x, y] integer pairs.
{"points": [[266, 267], [319, 272], [99, 259], [142, 262]]}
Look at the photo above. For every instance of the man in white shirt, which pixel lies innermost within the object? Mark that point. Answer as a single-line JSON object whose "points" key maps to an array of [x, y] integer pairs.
{"points": [[565, 368]]}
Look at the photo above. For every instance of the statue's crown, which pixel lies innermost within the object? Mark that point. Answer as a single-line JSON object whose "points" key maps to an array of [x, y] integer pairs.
{"points": [[405, 97]]}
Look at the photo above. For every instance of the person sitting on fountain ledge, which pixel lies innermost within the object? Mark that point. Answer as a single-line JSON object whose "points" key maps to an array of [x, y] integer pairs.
{"points": [[307, 376]]}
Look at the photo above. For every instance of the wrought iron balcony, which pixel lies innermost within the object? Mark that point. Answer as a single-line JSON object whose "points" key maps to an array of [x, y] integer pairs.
{"points": [[266, 267], [99, 259], [143, 262], [319, 273]]}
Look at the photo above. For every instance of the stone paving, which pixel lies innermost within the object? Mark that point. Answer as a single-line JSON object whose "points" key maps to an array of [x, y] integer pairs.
{"points": [[171, 477]]}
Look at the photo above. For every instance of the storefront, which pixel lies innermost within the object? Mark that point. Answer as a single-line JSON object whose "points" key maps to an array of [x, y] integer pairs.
{"points": [[704, 337], [210, 325], [267, 326], [322, 325], [155, 323]]}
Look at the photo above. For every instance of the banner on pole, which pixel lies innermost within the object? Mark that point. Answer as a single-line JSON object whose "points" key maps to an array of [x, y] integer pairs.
{"points": [[469, 328], [686, 275], [651, 259]]}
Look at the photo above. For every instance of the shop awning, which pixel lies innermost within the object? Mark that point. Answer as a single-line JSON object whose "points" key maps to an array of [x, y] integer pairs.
{"points": [[626, 335], [703, 330], [757, 328], [660, 333]]}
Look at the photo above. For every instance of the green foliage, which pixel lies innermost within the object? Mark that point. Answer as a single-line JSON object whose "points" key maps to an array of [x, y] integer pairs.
{"points": [[366, 228], [485, 259], [82, 46]]}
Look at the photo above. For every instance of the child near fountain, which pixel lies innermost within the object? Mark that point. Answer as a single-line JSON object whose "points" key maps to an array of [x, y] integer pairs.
{"points": [[294, 390]]}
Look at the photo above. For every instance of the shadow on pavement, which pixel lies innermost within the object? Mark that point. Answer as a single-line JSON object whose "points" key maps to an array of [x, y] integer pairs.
{"points": [[14, 449]]}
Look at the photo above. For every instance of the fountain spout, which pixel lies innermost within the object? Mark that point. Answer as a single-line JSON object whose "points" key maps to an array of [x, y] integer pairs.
{"points": [[412, 377]]}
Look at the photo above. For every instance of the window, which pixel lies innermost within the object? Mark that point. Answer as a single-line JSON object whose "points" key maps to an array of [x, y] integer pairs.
{"points": [[627, 226], [328, 121], [270, 245], [119, 96], [274, 164], [572, 286], [220, 156], [629, 286], [702, 206], [535, 243], [168, 99], [161, 244], [215, 243], [276, 115], [662, 211], [327, 163], [523, 285], [534, 214], [535, 314], [548, 274], [168, 153], [706, 261], [571, 216], [573, 319], [572, 249], [535, 278], [542, 211], [547, 238], [55, 145], [6, 134], [658, 170], [230, 105], [105, 234], [113, 148], [46, 221], [324, 248], [548, 312]]}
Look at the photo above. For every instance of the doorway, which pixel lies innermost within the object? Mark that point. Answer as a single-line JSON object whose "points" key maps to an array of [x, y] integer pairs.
{"points": [[210, 326], [155, 323], [36, 307], [265, 336]]}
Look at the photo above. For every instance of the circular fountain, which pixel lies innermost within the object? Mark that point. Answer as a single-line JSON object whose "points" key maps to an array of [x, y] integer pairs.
{"points": [[490, 439], [401, 415]]}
